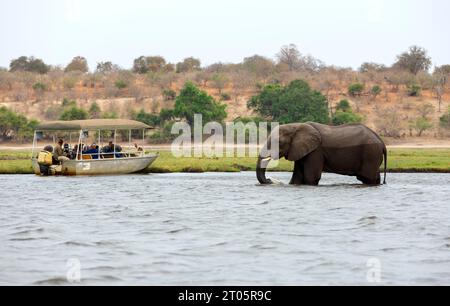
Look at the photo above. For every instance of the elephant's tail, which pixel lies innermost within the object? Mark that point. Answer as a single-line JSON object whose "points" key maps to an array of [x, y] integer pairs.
{"points": [[385, 152]]}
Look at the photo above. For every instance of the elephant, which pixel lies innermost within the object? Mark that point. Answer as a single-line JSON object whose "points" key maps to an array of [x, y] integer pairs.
{"points": [[351, 150]]}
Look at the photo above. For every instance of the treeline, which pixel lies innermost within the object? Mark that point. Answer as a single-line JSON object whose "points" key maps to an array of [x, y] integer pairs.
{"points": [[295, 102], [150, 76], [291, 87]]}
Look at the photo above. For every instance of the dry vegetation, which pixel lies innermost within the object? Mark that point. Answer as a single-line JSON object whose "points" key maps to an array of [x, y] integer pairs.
{"points": [[394, 101]]}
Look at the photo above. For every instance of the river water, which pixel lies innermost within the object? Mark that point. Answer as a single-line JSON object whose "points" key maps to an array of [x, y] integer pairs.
{"points": [[223, 229]]}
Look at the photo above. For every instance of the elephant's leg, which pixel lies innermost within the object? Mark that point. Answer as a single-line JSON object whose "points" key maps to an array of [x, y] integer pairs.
{"points": [[313, 168], [298, 177], [370, 181], [369, 174]]}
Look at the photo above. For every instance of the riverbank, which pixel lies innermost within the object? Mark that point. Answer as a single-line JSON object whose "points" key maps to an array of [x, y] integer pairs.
{"points": [[399, 161]]}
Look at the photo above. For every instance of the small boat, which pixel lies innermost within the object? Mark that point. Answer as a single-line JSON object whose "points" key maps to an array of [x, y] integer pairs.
{"points": [[114, 160]]}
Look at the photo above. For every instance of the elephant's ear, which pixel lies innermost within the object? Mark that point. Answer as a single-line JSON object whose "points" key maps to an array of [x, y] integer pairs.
{"points": [[305, 140]]}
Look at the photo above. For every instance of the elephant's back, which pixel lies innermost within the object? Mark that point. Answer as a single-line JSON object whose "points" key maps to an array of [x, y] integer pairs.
{"points": [[347, 136]]}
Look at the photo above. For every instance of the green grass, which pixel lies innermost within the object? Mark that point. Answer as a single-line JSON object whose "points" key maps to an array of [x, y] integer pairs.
{"points": [[419, 160], [400, 160]]}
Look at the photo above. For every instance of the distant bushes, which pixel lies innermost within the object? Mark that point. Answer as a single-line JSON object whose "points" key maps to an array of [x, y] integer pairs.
{"points": [[121, 84], [15, 126], [356, 89], [74, 113], [414, 90], [345, 115], [39, 87], [445, 120], [169, 94]]}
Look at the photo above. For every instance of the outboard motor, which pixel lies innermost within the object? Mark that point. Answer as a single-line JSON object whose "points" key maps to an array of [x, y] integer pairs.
{"points": [[45, 161]]}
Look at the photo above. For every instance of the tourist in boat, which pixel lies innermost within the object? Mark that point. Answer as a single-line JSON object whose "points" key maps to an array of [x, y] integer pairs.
{"points": [[93, 150], [58, 152]]}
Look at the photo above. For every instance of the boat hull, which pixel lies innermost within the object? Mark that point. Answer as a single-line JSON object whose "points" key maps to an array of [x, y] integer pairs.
{"points": [[101, 167]]}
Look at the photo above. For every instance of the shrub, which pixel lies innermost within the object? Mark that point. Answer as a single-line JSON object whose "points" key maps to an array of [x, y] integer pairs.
{"points": [[40, 87], [375, 91], [110, 115], [68, 103], [225, 97], [356, 89], [74, 113], [445, 120], [169, 94], [95, 111], [344, 106], [147, 118], [166, 115], [344, 114], [120, 84], [164, 135], [414, 90], [341, 118]]}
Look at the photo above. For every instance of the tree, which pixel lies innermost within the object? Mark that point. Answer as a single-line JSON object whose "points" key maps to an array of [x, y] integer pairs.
{"points": [[15, 126], [444, 69], [95, 111], [192, 100], [79, 64], [74, 113], [147, 118], [260, 66], [440, 80], [188, 65], [145, 64], [414, 60], [296, 102], [290, 56], [423, 123], [368, 67], [219, 81], [107, 67], [166, 115], [31, 64]]}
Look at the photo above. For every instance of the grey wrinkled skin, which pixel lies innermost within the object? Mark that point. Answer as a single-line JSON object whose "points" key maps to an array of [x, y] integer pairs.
{"points": [[352, 150]]}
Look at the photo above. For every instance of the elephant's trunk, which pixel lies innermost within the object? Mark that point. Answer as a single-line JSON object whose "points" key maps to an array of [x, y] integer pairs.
{"points": [[261, 171]]}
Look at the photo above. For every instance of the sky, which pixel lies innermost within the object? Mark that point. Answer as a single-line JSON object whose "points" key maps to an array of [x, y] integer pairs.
{"points": [[344, 33]]}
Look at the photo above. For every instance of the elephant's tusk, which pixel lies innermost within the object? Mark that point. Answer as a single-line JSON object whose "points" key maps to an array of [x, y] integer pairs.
{"points": [[266, 159]]}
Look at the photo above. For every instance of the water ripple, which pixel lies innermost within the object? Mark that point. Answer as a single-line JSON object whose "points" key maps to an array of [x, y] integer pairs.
{"points": [[223, 229]]}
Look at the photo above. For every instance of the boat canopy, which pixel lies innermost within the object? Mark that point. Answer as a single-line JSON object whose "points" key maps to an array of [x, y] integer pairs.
{"points": [[96, 124]]}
